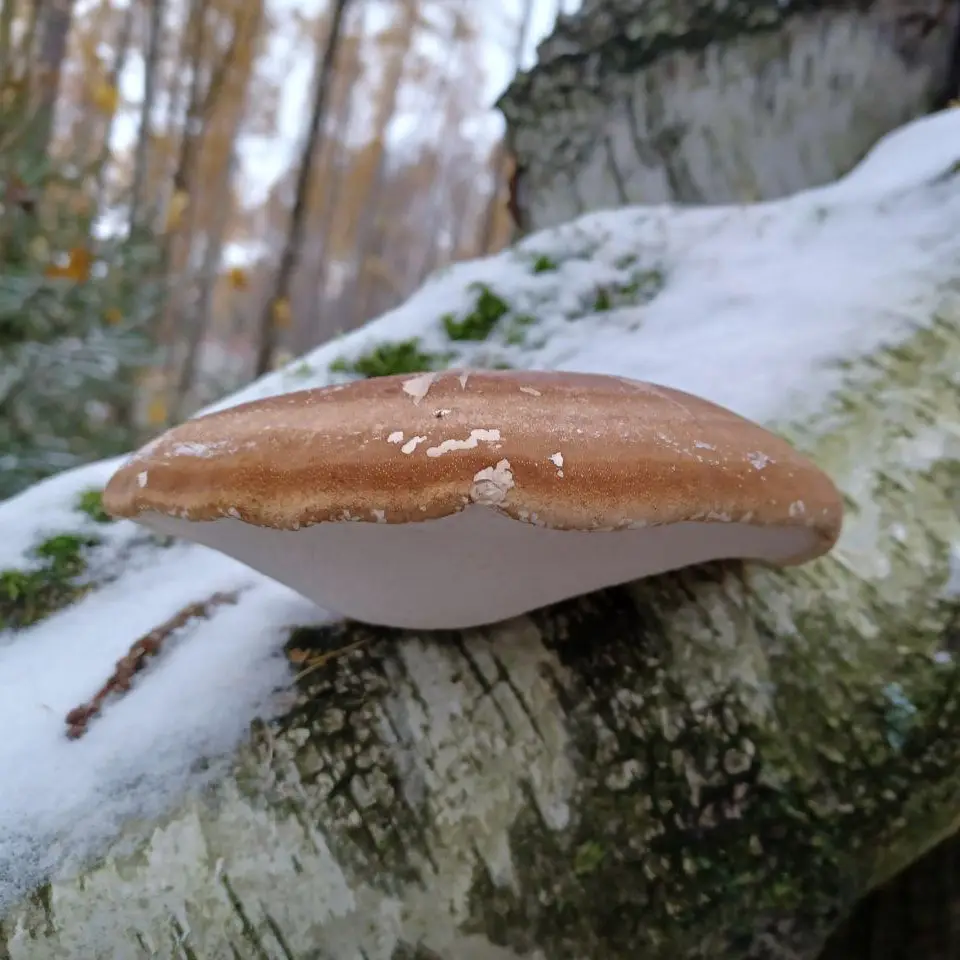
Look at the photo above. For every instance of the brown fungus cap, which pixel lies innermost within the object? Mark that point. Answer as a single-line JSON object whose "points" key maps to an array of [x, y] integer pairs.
{"points": [[396, 499]]}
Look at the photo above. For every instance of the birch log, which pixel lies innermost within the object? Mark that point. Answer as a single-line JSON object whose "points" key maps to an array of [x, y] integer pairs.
{"points": [[715, 763], [701, 101]]}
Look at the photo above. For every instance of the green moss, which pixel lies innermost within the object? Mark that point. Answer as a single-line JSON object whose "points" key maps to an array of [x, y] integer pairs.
{"points": [[303, 371], [53, 581], [642, 288], [543, 264], [478, 324], [587, 858], [90, 502], [403, 356], [602, 301], [644, 285], [515, 333]]}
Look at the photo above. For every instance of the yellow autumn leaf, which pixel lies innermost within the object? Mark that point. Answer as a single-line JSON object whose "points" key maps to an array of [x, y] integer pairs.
{"points": [[237, 278], [175, 211], [75, 266], [156, 411], [105, 97], [281, 313], [113, 316]]}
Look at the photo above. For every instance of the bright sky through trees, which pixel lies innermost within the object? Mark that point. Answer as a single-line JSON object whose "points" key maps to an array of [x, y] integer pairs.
{"points": [[263, 159]]}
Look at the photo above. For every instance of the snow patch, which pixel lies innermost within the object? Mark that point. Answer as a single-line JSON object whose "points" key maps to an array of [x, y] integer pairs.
{"points": [[62, 798], [49, 508]]}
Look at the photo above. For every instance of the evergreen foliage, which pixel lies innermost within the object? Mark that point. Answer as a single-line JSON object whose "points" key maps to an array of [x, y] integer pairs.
{"points": [[76, 299]]}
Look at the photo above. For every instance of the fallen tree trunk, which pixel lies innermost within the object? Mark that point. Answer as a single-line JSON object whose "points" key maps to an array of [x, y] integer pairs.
{"points": [[647, 101], [718, 762]]}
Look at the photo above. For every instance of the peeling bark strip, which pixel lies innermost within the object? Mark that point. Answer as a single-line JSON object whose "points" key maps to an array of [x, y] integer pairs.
{"points": [[711, 102], [78, 719]]}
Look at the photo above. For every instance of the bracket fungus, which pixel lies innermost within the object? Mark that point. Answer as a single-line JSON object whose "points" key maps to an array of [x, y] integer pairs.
{"points": [[454, 499]]}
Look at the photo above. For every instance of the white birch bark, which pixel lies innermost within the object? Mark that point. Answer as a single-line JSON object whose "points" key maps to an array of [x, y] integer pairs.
{"points": [[646, 101]]}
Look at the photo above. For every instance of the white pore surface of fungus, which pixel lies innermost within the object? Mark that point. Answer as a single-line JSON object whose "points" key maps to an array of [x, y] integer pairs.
{"points": [[759, 305], [475, 566]]}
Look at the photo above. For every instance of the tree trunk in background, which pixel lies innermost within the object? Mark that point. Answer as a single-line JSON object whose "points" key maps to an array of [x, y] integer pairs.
{"points": [[54, 26], [443, 107], [120, 54], [197, 328], [142, 151], [178, 254], [7, 65], [386, 107], [249, 20], [652, 102], [22, 60], [268, 328], [183, 401], [174, 257], [312, 323], [499, 165], [175, 106]]}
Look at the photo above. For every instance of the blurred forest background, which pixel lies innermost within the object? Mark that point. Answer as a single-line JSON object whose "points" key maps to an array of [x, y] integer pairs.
{"points": [[192, 192]]}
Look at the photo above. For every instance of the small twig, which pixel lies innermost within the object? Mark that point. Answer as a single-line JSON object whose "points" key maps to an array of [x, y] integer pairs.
{"points": [[316, 661], [78, 719]]}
